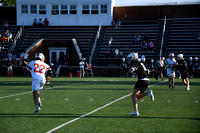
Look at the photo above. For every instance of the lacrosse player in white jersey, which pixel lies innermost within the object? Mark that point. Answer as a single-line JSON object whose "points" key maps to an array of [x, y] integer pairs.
{"points": [[38, 71], [170, 64]]}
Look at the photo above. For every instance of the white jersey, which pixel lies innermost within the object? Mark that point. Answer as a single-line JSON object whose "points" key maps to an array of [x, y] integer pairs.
{"points": [[38, 69], [170, 67], [170, 63]]}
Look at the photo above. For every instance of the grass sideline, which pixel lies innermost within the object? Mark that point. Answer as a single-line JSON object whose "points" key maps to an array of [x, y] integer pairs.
{"points": [[173, 110]]}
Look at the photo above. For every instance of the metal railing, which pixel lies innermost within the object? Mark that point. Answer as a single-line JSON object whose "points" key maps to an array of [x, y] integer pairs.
{"points": [[95, 43], [77, 48], [163, 35], [18, 35]]}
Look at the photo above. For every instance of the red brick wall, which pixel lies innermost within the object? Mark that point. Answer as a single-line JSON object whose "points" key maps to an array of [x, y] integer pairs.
{"points": [[156, 12]]}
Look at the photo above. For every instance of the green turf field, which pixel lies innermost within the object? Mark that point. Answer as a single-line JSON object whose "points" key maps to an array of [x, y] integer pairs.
{"points": [[173, 111]]}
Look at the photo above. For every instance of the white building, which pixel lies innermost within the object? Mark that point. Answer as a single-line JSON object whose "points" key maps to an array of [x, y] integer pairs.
{"points": [[65, 12]]}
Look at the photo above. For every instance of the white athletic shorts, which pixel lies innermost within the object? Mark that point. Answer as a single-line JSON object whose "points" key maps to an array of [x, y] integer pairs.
{"points": [[37, 84], [170, 73]]}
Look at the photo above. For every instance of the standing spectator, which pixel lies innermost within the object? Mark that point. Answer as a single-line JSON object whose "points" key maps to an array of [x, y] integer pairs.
{"points": [[110, 40], [116, 52], [40, 23], [107, 53], [61, 58], [35, 24], [66, 58], [86, 68], [190, 65], [123, 68], [9, 71], [150, 46], [145, 38], [6, 26], [137, 39], [46, 23], [81, 65], [119, 23], [159, 68], [143, 46]]}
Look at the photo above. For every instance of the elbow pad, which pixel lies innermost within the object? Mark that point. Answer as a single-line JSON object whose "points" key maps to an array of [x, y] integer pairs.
{"points": [[49, 72]]}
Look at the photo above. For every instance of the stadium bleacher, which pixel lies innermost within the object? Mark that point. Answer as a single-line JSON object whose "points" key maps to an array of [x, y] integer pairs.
{"points": [[84, 36], [183, 37], [13, 29], [124, 40]]}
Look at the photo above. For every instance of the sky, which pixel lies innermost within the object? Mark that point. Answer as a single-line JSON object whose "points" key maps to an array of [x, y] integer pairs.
{"points": [[145, 2]]}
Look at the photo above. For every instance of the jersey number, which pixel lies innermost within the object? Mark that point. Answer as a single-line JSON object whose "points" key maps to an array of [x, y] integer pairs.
{"points": [[42, 67]]}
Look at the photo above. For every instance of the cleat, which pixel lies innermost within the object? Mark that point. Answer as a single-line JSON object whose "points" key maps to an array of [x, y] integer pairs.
{"points": [[150, 93], [135, 113], [37, 110], [187, 88], [169, 86], [172, 87]]}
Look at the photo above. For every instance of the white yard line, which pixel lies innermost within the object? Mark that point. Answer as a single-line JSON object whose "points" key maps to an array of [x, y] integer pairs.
{"points": [[73, 120], [44, 89]]}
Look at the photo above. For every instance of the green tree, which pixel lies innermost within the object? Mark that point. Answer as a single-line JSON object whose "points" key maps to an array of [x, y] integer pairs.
{"points": [[9, 2]]}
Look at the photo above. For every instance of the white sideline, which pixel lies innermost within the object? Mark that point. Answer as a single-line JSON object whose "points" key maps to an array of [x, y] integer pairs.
{"points": [[64, 124], [43, 89]]}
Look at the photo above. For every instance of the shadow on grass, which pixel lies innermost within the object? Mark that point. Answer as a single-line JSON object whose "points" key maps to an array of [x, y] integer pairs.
{"points": [[62, 115]]}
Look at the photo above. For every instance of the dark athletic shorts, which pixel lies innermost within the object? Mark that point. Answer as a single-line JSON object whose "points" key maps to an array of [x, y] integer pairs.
{"points": [[142, 85], [184, 75]]}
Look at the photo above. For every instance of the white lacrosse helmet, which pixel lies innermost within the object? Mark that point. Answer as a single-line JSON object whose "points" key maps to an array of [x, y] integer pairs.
{"points": [[163, 58], [131, 57], [196, 58], [152, 60], [190, 58], [180, 56], [171, 55], [40, 56], [123, 59]]}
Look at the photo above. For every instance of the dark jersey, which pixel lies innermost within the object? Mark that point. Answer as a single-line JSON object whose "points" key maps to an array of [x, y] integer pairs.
{"points": [[196, 64], [190, 65], [182, 65], [140, 69]]}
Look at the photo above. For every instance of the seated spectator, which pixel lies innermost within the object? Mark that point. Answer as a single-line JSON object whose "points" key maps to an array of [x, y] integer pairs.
{"points": [[6, 26], [114, 23], [9, 37], [107, 52], [144, 46], [150, 46], [6, 32], [137, 39], [116, 52], [119, 23], [46, 23], [40, 23], [145, 38], [4, 39], [35, 23]]}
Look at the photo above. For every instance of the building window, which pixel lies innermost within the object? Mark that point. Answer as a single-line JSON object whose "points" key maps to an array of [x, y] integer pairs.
{"points": [[64, 9], [86, 9], [73, 9], [103, 9], [42, 9], [33, 9], [24, 9], [55, 10], [95, 9]]}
